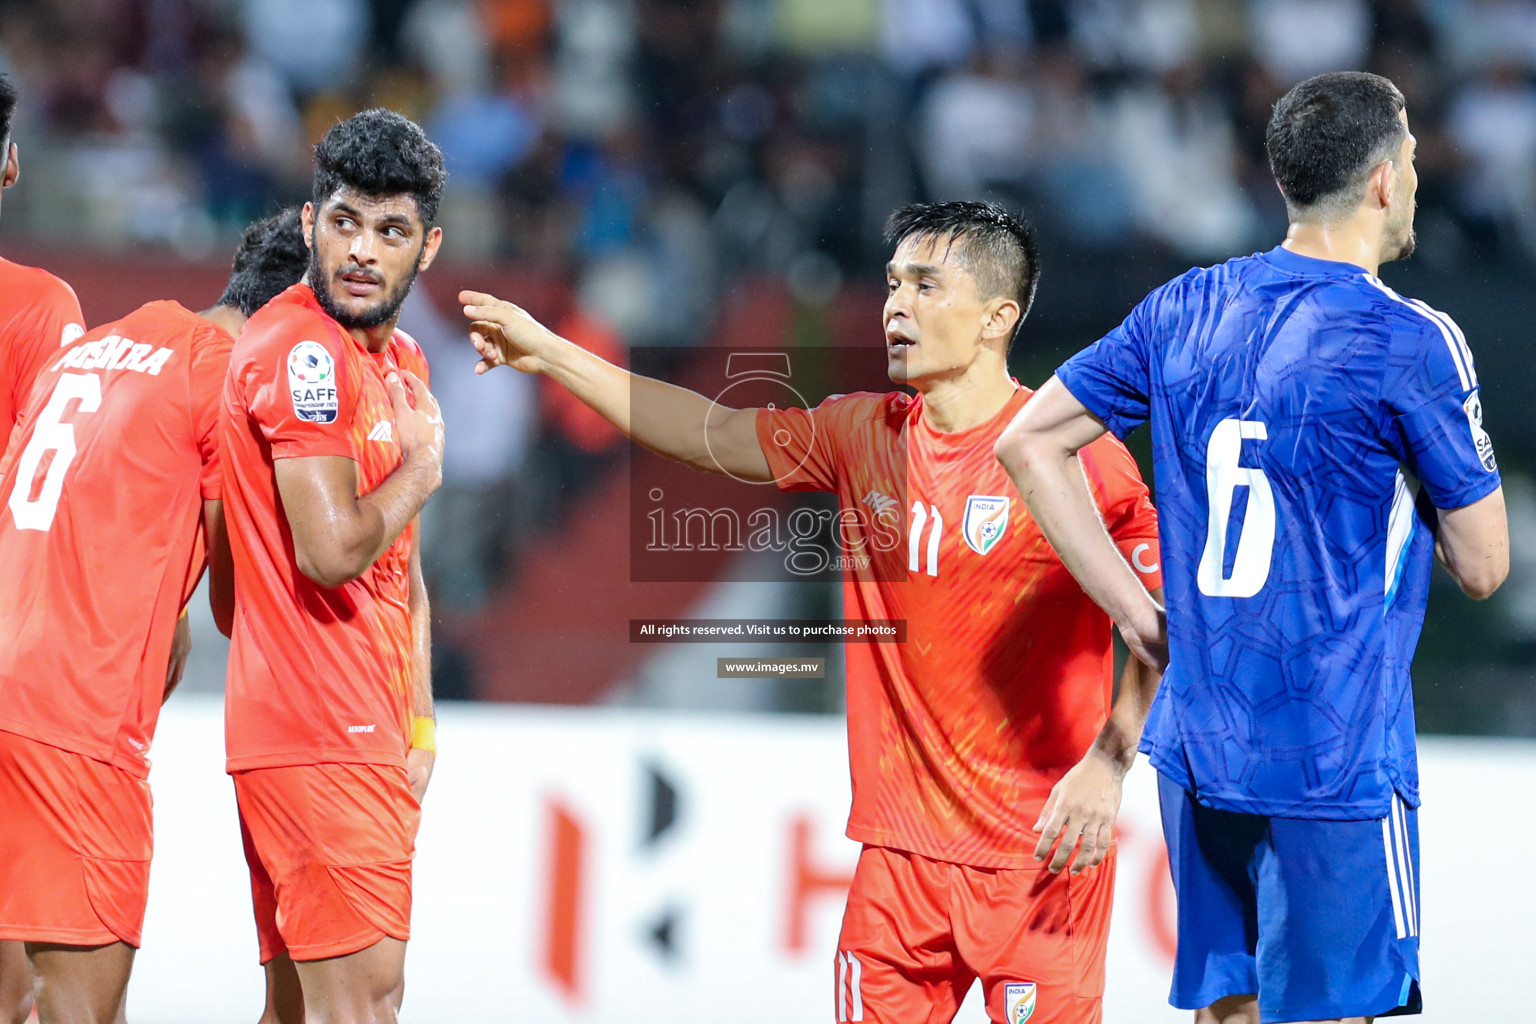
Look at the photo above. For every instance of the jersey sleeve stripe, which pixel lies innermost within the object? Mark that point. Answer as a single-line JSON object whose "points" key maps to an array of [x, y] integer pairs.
{"points": [[1462, 369], [1444, 319]]}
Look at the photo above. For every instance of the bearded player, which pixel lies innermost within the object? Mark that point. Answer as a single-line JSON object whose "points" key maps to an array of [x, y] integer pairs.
{"points": [[986, 743], [329, 723], [38, 314], [1318, 440], [116, 451]]}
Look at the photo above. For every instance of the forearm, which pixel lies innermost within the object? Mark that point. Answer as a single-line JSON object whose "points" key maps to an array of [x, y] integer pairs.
{"points": [[421, 644], [1052, 484], [221, 567], [667, 419], [1473, 544], [342, 547], [386, 511], [1120, 737]]}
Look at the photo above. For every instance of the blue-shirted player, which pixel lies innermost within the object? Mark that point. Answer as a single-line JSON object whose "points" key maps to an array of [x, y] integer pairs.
{"points": [[1317, 439]]}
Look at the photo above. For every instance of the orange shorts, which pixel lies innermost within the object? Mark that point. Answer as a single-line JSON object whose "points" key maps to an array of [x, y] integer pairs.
{"points": [[74, 863], [329, 847], [918, 932]]}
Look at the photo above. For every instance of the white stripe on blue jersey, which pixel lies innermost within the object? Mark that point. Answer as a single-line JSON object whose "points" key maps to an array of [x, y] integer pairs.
{"points": [[1400, 526], [1454, 340]]}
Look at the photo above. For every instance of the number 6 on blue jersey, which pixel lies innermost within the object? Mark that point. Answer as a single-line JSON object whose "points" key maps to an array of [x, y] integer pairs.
{"points": [[1256, 544]]}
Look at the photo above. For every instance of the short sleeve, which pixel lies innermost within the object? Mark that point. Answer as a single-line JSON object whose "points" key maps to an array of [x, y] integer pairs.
{"points": [[1126, 505], [210, 363], [1111, 376], [299, 391], [804, 447], [1434, 408], [36, 334]]}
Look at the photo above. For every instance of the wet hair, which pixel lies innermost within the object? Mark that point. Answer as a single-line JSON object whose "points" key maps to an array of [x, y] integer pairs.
{"points": [[1327, 134], [997, 248], [379, 153], [7, 108], [271, 257]]}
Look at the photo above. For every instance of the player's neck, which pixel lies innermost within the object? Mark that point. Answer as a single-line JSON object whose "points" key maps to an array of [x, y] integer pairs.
{"points": [[374, 339], [228, 318], [1346, 242], [969, 400]]}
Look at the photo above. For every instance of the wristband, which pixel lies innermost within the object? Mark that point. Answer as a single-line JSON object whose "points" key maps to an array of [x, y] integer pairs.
{"points": [[424, 733]]}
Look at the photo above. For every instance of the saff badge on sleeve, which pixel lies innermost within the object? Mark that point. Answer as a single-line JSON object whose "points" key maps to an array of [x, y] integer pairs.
{"points": [[312, 382]]}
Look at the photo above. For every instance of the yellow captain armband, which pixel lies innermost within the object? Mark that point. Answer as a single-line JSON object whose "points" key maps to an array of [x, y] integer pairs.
{"points": [[424, 733]]}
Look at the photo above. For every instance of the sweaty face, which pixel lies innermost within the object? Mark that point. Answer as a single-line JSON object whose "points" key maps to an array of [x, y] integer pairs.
{"points": [[364, 256], [933, 315], [1399, 240]]}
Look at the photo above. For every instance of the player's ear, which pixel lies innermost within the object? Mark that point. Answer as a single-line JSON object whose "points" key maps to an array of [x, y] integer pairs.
{"points": [[1381, 184], [429, 248], [307, 224], [12, 166], [1002, 316]]}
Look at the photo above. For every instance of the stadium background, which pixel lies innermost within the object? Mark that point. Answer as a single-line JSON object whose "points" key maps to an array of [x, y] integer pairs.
{"points": [[662, 178]]}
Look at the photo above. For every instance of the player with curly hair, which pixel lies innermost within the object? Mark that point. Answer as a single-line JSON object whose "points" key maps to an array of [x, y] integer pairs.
{"points": [[332, 446]]}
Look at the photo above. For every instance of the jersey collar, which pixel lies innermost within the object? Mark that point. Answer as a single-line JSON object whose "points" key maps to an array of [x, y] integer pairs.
{"points": [[1296, 263], [968, 438]]}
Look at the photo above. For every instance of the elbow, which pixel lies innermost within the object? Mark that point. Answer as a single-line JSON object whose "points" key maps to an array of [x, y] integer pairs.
{"points": [[1480, 584], [1016, 449], [327, 569]]}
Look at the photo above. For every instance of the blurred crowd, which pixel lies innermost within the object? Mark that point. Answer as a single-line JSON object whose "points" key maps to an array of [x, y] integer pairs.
{"points": [[655, 147], [650, 147], [649, 153]]}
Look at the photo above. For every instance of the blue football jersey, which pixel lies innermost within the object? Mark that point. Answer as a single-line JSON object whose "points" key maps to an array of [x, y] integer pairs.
{"points": [[1300, 409]]}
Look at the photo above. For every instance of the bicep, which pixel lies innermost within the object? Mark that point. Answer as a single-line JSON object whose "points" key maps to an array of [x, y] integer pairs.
{"points": [[734, 445], [319, 494]]}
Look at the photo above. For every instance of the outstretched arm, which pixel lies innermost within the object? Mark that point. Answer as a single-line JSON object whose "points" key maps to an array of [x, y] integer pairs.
{"points": [[1039, 451], [1082, 807], [667, 419]]}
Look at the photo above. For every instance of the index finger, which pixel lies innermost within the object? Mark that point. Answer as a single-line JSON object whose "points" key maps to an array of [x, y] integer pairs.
{"points": [[1053, 827], [473, 298], [409, 382]]}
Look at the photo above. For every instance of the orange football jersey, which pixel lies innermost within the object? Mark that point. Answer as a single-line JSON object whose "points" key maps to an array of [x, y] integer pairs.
{"points": [[114, 454], [316, 674], [957, 735], [39, 314]]}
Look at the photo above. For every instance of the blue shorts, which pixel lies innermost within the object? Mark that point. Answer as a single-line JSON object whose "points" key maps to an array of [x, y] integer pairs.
{"points": [[1319, 918]]}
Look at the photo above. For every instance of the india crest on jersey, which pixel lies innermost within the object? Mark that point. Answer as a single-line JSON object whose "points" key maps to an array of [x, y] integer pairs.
{"points": [[1018, 1001], [986, 518]]}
